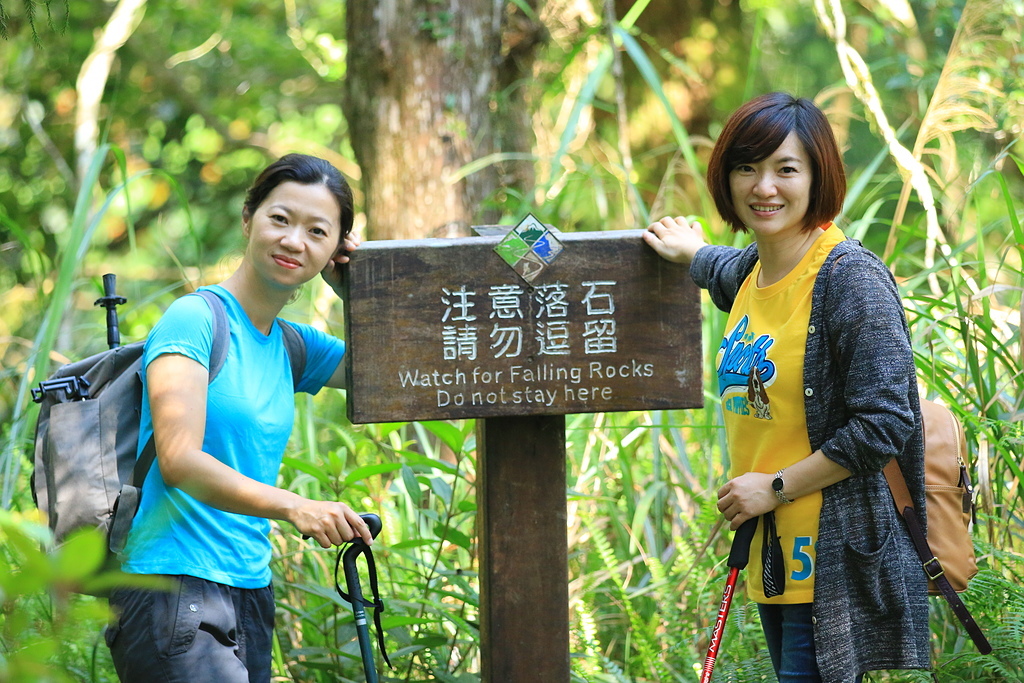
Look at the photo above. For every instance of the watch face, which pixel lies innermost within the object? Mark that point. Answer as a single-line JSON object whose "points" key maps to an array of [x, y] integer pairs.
{"points": [[777, 484]]}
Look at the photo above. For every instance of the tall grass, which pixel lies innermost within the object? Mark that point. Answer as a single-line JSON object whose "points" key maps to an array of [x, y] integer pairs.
{"points": [[55, 301], [647, 545]]}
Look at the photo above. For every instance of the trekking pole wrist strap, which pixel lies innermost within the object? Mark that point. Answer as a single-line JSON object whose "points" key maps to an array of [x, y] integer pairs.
{"points": [[377, 604]]}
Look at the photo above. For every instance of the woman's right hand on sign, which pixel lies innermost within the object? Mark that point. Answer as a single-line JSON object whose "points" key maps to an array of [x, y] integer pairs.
{"points": [[675, 239], [333, 273]]}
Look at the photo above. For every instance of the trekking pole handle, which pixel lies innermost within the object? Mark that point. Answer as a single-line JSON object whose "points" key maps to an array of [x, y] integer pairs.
{"points": [[110, 301], [739, 553], [372, 521]]}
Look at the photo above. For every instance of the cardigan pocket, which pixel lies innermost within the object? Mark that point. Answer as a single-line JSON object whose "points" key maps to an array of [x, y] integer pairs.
{"points": [[875, 585]]}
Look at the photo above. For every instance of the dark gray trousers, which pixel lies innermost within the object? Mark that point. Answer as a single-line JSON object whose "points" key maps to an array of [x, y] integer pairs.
{"points": [[198, 632]]}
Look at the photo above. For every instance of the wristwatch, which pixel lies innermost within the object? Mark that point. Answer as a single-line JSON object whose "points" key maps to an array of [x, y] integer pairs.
{"points": [[777, 485]]}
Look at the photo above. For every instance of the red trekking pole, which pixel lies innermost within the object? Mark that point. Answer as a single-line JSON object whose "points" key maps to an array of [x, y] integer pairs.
{"points": [[739, 554]]}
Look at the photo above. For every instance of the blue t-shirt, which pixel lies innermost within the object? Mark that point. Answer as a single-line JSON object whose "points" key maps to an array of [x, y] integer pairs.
{"points": [[250, 409]]}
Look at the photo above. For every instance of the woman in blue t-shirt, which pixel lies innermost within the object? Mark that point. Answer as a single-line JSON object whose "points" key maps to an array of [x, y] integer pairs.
{"points": [[206, 508]]}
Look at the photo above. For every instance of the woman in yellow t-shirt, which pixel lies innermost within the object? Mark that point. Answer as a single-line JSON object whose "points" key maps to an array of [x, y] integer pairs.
{"points": [[818, 388]]}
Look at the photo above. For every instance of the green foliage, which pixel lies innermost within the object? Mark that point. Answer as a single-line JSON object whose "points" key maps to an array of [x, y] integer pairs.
{"points": [[188, 127], [999, 599], [48, 633], [12, 23], [418, 477]]}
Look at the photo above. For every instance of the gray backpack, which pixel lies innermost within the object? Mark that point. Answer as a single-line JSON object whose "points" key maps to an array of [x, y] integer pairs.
{"points": [[86, 471]]}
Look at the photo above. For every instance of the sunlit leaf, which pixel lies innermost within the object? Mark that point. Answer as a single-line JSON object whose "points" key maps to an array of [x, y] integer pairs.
{"points": [[81, 555], [412, 485], [309, 468], [453, 535], [448, 433], [360, 473]]}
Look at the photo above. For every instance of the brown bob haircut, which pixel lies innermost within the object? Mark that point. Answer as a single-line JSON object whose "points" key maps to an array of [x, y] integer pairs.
{"points": [[756, 130]]}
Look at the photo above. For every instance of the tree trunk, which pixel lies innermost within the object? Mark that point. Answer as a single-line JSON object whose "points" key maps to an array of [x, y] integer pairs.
{"points": [[513, 113], [420, 99]]}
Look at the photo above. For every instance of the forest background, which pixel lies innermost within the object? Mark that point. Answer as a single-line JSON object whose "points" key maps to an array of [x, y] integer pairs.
{"points": [[129, 131]]}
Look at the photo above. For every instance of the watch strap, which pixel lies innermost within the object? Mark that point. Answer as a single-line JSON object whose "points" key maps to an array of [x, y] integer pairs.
{"points": [[777, 488]]}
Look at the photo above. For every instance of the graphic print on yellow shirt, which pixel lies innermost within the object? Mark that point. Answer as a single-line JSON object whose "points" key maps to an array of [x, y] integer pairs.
{"points": [[760, 380]]}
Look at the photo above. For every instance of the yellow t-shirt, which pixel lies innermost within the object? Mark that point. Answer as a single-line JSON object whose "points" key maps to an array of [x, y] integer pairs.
{"points": [[760, 379]]}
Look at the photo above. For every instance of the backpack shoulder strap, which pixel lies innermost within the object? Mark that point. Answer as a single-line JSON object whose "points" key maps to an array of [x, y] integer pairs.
{"points": [[218, 354], [221, 337], [929, 562], [296, 347], [934, 571]]}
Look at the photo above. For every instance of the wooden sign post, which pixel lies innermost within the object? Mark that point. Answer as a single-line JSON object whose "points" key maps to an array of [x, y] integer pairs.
{"points": [[518, 333]]}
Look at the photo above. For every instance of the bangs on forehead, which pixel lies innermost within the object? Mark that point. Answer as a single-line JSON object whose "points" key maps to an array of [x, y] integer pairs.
{"points": [[756, 130], [764, 133]]}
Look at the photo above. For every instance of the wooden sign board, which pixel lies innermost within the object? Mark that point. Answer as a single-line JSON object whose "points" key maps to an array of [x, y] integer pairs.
{"points": [[445, 329]]}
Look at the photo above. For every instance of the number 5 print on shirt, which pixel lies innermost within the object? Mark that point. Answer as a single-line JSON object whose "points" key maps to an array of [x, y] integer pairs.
{"points": [[803, 557]]}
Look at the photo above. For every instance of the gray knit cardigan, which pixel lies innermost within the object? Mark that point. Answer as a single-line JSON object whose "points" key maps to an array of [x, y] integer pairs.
{"points": [[862, 408]]}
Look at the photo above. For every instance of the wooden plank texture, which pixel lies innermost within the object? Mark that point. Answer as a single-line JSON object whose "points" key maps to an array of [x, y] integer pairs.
{"points": [[524, 566], [444, 329]]}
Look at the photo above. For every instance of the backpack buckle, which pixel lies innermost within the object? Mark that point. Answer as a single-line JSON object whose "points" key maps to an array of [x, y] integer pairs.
{"points": [[933, 568]]}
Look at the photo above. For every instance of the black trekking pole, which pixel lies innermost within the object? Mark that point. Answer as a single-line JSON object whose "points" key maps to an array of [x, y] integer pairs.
{"points": [[347, 559], [110, 301], [75, 387], [739, 555]]}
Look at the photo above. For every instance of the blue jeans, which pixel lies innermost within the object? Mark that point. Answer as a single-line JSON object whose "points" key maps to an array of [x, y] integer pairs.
{"points": [[198, 632], [789, 630], [790, 635]]}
